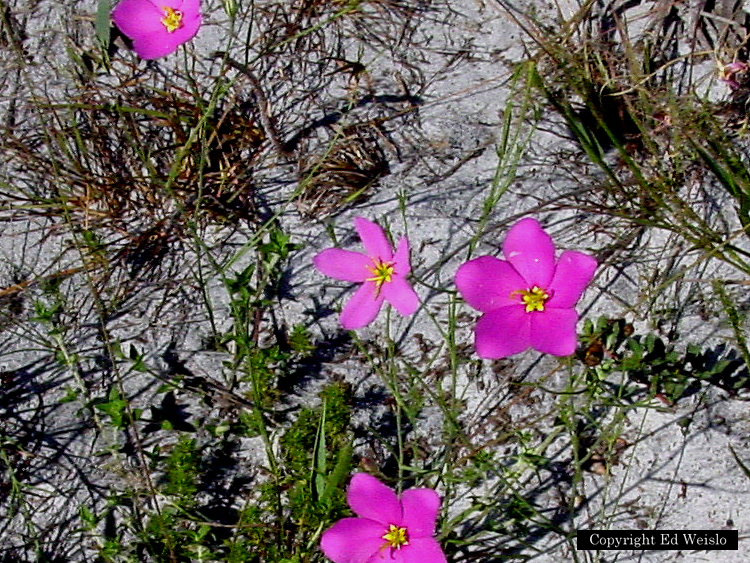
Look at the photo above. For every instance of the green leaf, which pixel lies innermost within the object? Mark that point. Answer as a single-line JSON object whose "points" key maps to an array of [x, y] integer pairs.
{"points": [[336, 479], [230, 7], [70, 395], [88, 518], [319, 457], [299, 339], [115, 407], [102, 23]]}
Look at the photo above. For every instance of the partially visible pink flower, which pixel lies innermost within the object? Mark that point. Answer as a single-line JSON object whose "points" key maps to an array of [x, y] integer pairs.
{"points": [[528, 300], [389, 528], [728, 72], [381, 272], [157, 27]]}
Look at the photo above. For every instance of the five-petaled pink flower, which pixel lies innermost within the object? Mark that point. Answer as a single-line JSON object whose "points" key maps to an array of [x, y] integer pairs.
{"points": [[157, 27], [529, 300], [389, 528], [381, 272]]}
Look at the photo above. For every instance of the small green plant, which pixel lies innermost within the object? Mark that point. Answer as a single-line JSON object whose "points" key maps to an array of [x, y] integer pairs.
{"points": [[181, 467], [655, 365], [317, 455]]}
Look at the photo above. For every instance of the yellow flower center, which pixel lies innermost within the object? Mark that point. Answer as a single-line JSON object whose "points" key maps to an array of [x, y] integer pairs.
{"points": [[172, 19], [533, 298], [396, 537], [382, 272]]}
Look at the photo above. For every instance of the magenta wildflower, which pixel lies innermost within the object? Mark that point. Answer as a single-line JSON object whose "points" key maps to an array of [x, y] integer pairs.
{"points": [[157, 27], [389, 528], [381, 272], [528, 300], [728, 73]]}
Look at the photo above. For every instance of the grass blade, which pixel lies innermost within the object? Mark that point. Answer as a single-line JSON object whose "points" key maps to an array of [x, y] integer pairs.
{"points": [[102, 23]]}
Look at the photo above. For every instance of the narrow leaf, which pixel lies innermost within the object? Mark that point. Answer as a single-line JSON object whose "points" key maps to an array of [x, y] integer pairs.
{"points": [[102, 23], [319, 457]]}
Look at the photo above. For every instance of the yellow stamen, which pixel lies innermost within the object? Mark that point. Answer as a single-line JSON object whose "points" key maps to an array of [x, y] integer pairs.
{"points": [[396, 537], [533, 298], [172, 19], [382, 273]]}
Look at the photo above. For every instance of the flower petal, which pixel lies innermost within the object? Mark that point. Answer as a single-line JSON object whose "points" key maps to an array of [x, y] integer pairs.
{"points": [[154, 45], [503, 332], [188, 8], [422, 550], [374, 239], [573, 273], [486, 283], [553, 331], [388, 555], [141, 20], [401, 295], [352, 540], [369, 498], [362, 308], [531, 252], [137, 18], [343, 264], [190, 26], [420, 508], [402, 264]]}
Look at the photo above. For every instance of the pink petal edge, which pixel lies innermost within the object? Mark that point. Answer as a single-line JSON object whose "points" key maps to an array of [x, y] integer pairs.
{"points": [[362, 307], [352, 540], [373, 239], [136, 18], [423, 550], [345, 265], [140, 20], [487, 283], [573, 273], [369, 498], [400, 295], [420, 508], [503, 332], [553, 331], [189, 8], [154, 46], [402, 263], [531, 252], [388, 555]]}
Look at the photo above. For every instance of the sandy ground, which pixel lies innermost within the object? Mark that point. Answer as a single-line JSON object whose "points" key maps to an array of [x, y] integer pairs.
{"points": [[439, 95]]}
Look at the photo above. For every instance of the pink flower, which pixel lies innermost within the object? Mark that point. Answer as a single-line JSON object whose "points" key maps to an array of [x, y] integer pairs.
{"points": [[527, 301], [381, 272], [157, 27], [727, 73], [389, 528]]}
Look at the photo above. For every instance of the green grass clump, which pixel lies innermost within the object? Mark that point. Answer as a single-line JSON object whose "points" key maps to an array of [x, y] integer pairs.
{"points": [[317, 455], [181, 467], [653, 364]]}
